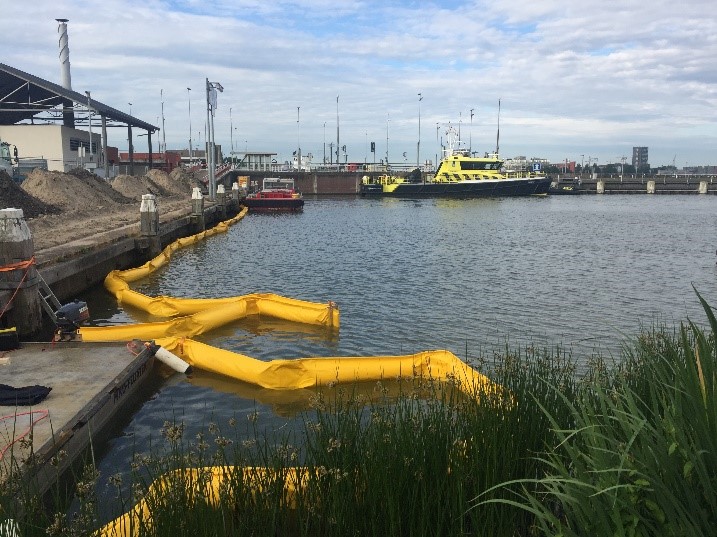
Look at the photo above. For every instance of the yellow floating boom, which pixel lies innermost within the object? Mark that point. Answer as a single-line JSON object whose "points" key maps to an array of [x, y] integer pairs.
{"points": [[207, 485], [297, 373], [195, 316]]}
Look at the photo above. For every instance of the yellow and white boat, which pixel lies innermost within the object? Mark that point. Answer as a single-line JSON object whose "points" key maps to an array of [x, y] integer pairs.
{"points": [[461, 175]]}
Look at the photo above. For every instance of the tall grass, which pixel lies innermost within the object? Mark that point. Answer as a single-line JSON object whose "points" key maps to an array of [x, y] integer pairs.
{"points": [[625, 449], [641, 456]]}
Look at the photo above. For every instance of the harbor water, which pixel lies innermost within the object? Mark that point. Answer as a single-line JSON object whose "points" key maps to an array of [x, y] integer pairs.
{"points": [[470, 276]]}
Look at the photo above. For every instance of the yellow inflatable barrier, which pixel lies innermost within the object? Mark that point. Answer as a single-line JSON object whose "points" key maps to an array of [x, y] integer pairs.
{"points": [[294, 374], [203, 484], [210, 314], [194, 315]]}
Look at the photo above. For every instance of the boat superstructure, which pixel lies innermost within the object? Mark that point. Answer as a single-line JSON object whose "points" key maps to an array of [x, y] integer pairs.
{"points": [[276, 194], [461, 174]]}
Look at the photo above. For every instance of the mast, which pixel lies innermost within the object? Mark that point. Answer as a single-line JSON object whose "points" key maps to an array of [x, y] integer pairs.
{"points": [[497, 138]]}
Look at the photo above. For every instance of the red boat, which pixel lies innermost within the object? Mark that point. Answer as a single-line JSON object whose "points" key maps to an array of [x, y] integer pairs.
{"points": [[275, 195]]}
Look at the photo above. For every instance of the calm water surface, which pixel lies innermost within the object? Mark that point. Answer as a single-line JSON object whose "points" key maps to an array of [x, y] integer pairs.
{"points": [[410, 275]]}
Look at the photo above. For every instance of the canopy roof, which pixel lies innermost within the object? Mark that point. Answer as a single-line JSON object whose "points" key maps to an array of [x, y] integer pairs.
{"points": [[25, 97]]}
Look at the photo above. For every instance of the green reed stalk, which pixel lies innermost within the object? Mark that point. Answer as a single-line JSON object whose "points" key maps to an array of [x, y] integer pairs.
{"points": [[641, 456]]}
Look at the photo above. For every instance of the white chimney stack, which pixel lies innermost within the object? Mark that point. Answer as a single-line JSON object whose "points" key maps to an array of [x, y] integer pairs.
{"points": [[68, 114], [66, 80]]}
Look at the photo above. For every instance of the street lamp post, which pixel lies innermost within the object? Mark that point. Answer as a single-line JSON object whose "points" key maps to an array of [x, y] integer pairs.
{"points": [[212, 88], [164, 131], [231, 135], [388, 123], [418, 146], [89, 119], [189, 100], [298, 138]]}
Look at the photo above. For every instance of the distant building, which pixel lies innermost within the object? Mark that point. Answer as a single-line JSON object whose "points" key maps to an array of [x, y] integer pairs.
{"points": [[166, 161], [639, 157]]}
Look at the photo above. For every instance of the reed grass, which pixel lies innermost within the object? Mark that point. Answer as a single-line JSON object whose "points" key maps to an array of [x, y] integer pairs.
{"points": [[641, 456], [620, 449]]}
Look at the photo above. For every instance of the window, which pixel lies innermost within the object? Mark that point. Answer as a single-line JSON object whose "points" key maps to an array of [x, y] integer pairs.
{"points": [[75, 143]]}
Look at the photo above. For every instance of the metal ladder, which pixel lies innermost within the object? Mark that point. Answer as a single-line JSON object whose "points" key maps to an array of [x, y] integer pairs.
{"points": [[48, 298]]}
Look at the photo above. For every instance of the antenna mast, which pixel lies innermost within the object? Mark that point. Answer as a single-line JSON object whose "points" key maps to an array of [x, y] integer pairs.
{"points": [[497, 138]]}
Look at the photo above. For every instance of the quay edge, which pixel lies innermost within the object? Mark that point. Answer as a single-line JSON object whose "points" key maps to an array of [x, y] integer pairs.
{"points": [[92, 384]]}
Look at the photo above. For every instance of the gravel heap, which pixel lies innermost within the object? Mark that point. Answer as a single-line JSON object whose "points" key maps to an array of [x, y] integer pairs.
{"points": [[13, 196]]}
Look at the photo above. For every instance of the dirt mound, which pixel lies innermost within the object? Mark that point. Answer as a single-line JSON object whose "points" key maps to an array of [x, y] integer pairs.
{"points": [[134, 187], [80, 192], [12, 196], [184, 178], [177, 185]]}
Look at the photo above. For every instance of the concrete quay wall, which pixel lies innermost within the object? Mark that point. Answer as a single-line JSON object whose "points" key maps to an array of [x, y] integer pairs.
{"points": [[72, 276], [72, 268], [348, 183], [649, 185], [309, 183]]}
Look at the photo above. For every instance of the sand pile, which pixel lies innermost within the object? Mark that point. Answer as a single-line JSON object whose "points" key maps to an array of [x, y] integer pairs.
{"points": [[178, 183], [86, 206], [184, 178], [134, 187], [157, 182], [12, 196], [78, 190]]}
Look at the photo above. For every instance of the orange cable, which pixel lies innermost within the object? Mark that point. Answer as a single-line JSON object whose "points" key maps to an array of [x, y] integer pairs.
{"points": [[44, 414]]}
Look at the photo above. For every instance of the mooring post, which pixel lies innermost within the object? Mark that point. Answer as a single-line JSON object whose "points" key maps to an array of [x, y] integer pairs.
{"points": [[222, 201], [600, 187], [149, 225], [703, 187], [651, 187], [197, 217], [18, 275]]}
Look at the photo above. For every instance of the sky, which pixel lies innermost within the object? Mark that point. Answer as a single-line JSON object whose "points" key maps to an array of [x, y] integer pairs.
{"points": [[577, 80]]}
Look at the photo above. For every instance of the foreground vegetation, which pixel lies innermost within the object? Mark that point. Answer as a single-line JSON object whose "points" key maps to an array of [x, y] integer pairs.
{"points": [[620, 449]]}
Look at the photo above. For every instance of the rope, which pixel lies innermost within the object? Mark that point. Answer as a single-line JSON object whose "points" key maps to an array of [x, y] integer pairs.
{"points": [[16, 266]]}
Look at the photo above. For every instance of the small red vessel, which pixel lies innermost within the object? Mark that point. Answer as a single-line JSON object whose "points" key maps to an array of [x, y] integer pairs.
{"points": [[276, 194]]}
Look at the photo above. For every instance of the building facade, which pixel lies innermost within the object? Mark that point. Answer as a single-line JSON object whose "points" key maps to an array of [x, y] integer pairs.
{"points": [[639, 157]]}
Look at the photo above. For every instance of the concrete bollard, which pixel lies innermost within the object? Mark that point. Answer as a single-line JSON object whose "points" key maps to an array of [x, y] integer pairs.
{"points": [[19, 274], [149, 215], [235, 193], [149, 226], [197, 202], [703, 187], [197, 217], [222, 200], [651, 187], [600, 187]]}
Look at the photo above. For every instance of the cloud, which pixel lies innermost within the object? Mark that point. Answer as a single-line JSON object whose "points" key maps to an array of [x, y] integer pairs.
{"points": [[573, 78]]}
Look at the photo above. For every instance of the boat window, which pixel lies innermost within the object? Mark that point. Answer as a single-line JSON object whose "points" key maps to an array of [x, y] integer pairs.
{"points": [[468, 165]]}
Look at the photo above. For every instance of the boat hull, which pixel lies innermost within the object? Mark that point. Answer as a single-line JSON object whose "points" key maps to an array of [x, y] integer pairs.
{"points": [[565, 189], [465, 189], [273, 204]]}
